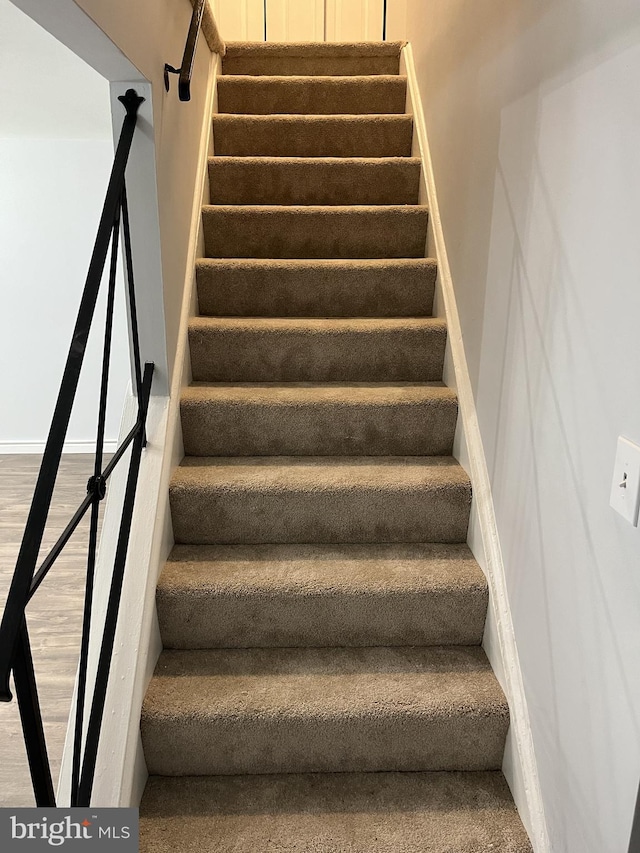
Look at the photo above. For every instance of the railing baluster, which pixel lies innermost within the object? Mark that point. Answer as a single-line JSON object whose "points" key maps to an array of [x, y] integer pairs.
{"points": [[97, 488], [111, 619]]}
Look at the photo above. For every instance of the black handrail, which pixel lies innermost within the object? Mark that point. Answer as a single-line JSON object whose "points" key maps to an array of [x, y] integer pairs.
{"points": [[15, 650], [188, 58]]}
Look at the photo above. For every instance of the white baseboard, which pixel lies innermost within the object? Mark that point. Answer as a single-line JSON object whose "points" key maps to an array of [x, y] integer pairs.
{"points": [[519, 765], [37, 447]]}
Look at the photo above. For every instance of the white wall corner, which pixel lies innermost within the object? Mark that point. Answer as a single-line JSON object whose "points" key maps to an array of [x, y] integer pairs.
{"points": [[519, 765]]}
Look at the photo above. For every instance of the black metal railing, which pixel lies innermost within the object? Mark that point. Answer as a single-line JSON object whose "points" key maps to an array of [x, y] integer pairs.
{"points": [[634, 841], [15, 649], [188, 58]]}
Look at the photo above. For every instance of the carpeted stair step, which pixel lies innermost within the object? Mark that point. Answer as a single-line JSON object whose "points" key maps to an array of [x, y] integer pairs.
{"points": [[312, 135], [311, 58], [297, 499], [274, 231], [314, 180], [323, 710], [332, 813], [237, 596], [291, 349], [318, 420], [295, 287], [373, 94]]}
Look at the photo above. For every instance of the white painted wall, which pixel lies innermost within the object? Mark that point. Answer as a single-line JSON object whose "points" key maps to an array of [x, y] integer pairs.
{"points": [[533, 118], [55, 158]]}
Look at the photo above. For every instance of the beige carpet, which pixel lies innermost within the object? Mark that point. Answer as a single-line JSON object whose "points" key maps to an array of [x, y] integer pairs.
{"points": [[322, 687]]}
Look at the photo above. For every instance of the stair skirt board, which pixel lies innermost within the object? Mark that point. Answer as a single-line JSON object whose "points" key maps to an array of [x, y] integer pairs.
{"points": [[322, 684]]}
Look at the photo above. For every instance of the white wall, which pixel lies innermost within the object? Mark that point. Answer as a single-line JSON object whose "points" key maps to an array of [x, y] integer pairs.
{"points": [[55, 157], [534, 123]]}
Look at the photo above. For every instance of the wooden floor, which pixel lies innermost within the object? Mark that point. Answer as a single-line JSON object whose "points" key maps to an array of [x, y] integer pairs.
{"points": [[54, 615]]}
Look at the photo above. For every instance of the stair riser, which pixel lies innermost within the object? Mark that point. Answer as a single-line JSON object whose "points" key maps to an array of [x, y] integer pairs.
{"points": [[234, 620], [335, 136], [288, 744], [312, 96], [221, 428], [289, 181], [329, 289], [341, 66], [274, 232], [223, 354], [228, 515]]}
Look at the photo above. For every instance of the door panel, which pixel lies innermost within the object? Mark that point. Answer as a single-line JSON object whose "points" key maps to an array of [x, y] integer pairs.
{"points": [[293, 20], [240, 20], [300, 20], [354, 20]]}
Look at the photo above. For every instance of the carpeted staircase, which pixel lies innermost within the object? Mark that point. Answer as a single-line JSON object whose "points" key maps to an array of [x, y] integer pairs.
{"points": [[322, 686]]}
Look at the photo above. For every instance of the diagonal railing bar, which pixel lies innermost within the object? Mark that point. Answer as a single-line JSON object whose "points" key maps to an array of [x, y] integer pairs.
{"points": [[79, 514], [15, 649], [31, 719], [111, 619]]}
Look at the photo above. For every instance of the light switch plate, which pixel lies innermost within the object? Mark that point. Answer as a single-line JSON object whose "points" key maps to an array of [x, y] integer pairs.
{"points": [[625, 487]]}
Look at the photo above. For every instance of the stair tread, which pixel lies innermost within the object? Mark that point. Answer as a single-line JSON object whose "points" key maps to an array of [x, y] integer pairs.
{"points": [[334, 325], [346, 393], [313, 48], [368, 134], [332, 813], [323, 419], [319, 473], [244, 596], [334, 81], [314, 162], [314, 180], [367, 94], [315, 231], [326, 119], [325, 264], [322, 209], [435, 681], [311, 570], [299, 287]]}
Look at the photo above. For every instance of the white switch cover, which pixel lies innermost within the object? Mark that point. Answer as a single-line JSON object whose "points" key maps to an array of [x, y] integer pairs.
{"points": [[625, 488]]}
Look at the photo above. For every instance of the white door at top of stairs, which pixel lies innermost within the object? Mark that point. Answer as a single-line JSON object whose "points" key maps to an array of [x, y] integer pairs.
{"points": [[300, 20]]}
